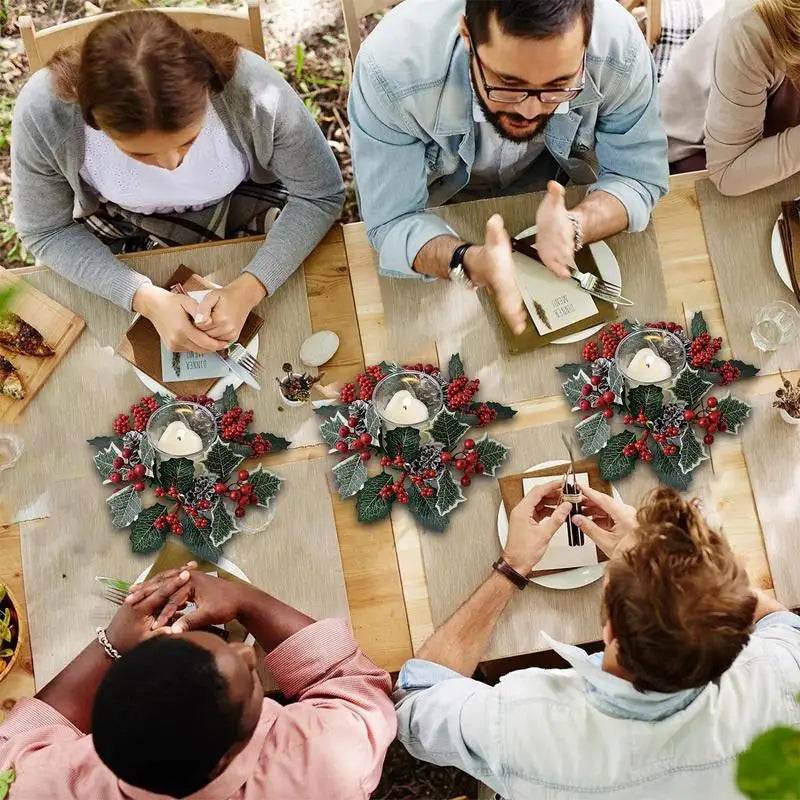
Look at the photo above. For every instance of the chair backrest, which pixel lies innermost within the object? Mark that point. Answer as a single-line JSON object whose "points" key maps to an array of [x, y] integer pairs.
{"points": [[244, 27]]}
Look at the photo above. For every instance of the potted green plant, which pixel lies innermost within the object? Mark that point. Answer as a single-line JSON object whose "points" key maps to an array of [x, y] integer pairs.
{"points": [[10, 631]]}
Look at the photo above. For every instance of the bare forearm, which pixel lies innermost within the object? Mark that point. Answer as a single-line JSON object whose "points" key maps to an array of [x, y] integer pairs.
{"points": [[461, 642], [601, 215], [269, 620], [434, 257]]}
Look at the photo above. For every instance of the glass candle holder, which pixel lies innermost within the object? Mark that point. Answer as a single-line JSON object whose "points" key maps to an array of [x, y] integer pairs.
{"points": [[650, 357], [166, 431], [407, 399]]}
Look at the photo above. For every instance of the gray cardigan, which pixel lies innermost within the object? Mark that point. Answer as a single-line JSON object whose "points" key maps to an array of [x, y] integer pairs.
{"points": [[265, 118]]}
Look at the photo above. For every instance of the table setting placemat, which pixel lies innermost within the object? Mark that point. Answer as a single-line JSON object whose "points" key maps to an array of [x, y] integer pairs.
{"points": [[738, 233], [457, 561], [296, 558], [459, 320]]}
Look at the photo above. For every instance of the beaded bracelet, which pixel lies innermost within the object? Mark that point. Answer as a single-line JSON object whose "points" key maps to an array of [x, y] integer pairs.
{"points": [[111, 651]]}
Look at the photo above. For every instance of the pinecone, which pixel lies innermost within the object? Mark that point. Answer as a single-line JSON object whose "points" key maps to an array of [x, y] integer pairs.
{"points": [[601, 366], [671, 417], [201, 489], [133, 440], [430, 457]]}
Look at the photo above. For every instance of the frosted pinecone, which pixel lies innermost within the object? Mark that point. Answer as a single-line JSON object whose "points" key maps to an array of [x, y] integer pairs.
{"points": [[133, 441], [201, 489], [601, 366], [430, 457], [671, 417]]}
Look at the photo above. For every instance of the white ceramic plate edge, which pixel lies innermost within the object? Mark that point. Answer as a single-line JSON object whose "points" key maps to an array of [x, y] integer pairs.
{"points": [[778, 259]]}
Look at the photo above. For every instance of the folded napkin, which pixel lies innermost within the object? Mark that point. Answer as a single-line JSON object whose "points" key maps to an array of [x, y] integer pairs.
{"points": [[789, 229]]}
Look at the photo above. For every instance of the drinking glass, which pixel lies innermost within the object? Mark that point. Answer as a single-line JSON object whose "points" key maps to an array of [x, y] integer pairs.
{"points": [[10, 450], [777, 324]]}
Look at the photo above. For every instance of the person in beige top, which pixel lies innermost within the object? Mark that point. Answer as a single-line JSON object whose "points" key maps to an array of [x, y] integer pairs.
{"points": [[729, 98]]}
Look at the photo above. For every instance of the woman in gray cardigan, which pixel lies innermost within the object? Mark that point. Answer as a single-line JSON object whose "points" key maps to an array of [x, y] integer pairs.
{"points": [[152, 135]]}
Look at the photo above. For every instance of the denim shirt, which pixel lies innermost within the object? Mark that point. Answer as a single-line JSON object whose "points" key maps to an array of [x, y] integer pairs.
{"points": [[561, 734], [413, 135]]}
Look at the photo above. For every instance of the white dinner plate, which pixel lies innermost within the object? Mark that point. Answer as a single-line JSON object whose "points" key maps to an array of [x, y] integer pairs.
{"points": [[607, 266], [575, 578], [778, 259]]}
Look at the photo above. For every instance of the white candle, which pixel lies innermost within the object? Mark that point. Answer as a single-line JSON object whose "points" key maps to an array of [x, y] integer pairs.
{"points": [[179, 440], [648, 367], [405, 409]]}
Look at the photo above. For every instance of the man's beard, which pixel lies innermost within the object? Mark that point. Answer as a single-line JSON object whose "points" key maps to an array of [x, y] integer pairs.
{"points": [[494, 118]]}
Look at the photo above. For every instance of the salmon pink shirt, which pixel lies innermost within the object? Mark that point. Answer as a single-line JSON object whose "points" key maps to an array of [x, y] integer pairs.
{"points": [[329, 744]]}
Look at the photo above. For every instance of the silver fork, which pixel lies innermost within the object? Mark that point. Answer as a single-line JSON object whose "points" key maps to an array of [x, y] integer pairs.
{"points": [[114, 595], [244, 359], [591, 283]]}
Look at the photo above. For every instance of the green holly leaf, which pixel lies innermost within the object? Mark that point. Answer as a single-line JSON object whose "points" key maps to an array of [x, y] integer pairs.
{"points": [[369, 504], [329, 430], [350, 475], [199, 541], [647, 400], [770, 768], [104, 461], [692, 452], [734, 412], [503, 412], [277, 443], [690, 387], [448, 493], [455, 367], [447, 428], [572, 388], [403, 441], [265, 485], [698, 325], [125, 505], [668, 469], [425, 512], [144, 536], [491, 454], [389, 367], [229, 398], [747, 370], [101, 442], [572, 369], [222, 526], [147, 454], [329, 410], [616, 383], [614, 465], [373, 422], [594, 433], [221, 460], [179, 471]]}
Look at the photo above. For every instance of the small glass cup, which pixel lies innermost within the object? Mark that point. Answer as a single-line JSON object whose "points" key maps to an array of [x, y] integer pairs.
{"points": [[196, 417], [777, 324], [419, 385], [10, 449], [663, 345]]}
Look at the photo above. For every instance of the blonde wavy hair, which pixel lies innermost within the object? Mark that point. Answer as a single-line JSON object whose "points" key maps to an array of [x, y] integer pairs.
{"points": [[782, 18]]}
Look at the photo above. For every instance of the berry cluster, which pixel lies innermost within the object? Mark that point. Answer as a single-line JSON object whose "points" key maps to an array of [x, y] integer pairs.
{"points": [[428, 369], [467, 461], [347, 394], [234, 424], [366, 383], [670, 327], [240, 492], [142, 411], [396, 490], [200, 399], [169, 520], [610, 339], [590, 351], [132, 473], [486, 415], [592, 398], [728, 372], [419, 482], [460, 393], [348, 440], [703, 350], [640, 449], [709, 419], [260, 445]]}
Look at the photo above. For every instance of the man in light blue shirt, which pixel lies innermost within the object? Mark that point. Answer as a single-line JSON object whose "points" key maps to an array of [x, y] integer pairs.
{"points": [[696, 665], [457, 99]]}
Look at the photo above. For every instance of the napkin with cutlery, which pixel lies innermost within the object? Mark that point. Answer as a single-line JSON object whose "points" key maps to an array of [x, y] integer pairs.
{"points": [[789, 229]]}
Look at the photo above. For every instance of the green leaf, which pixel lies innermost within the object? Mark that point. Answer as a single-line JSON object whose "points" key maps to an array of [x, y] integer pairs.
{"points": [[447, 428], [747, 370], [690, 387], [455, 367], [104, 460], [265, 485], [147, 453], [369, 503], [222, 526], [647, 400], [448, 493], [491, 454], [403, 441], [125, 506], [373, 422], [329, 430], [699, 325], [163, 399], [144, 536], [425, 512], [615, 466], [770, 768], [572, 388], [104, 441], [229, 398], [734, 412], [179, 471], [330, 410], [616, 383], [389, 367], [221, 460], [572, 369], [503, 412], [198, 541], [668, 469], [350, 475], [692, 452], [594, 433]]}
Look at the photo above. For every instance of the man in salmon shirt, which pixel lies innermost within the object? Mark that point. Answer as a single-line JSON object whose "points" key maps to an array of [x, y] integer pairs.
{"points": [[151, 710]]}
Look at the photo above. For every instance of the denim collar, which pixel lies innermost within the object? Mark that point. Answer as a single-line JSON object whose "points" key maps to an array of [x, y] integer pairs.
{"points": [[617, 697]]}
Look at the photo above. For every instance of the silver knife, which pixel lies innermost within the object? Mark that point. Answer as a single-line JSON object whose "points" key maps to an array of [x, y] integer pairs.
{"points": [[239, 371], [617, 300]]}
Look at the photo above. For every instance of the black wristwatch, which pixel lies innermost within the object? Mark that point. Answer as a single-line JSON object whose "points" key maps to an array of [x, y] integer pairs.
{"points": [[458, 274]]}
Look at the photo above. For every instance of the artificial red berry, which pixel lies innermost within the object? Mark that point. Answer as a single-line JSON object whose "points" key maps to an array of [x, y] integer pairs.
{"points": [[703, 422], [586, 389], [386, 461], [235, 495], [722, 426], [479, 468], [714, 415], [471, 458], [118, 462], [595, 380], [609, 397], [366, 439], [220, 488], [469, 444], [712, 402], [608, 413], [357, 445], [139, 486], [140, 470], [365, 456], [115, 477], [344, 431], [708, 439], [252, 499], [341, 446], [460, 464], [584, 405], [127, 453], [239, 513], [688, 415], [243, 475], [159, 492], [352, 422], [246, 488], [466, 480], [446, 457]]}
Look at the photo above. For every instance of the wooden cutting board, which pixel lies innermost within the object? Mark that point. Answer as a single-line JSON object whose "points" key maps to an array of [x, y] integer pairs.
{"points": [[59, 326]]}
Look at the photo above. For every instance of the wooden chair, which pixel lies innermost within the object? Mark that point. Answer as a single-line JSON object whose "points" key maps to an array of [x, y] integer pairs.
{"points": [[355, 10], [244, 27]]}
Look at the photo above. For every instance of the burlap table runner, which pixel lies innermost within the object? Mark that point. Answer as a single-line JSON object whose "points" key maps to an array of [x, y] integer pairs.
{"points": [[296, 558], [418, 313], [738, 232], [457, 561]]}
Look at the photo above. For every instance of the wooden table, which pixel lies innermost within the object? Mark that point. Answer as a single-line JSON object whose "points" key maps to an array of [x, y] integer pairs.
{"points": [[384, 574]]}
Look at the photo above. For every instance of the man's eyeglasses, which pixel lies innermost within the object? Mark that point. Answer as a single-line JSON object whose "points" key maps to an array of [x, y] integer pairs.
{"points": [[501, 94]]}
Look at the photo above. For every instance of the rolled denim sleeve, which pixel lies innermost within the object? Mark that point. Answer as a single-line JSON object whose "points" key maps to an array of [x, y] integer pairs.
{"points": [[390, 174], [446, 719], [631, 145]]}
